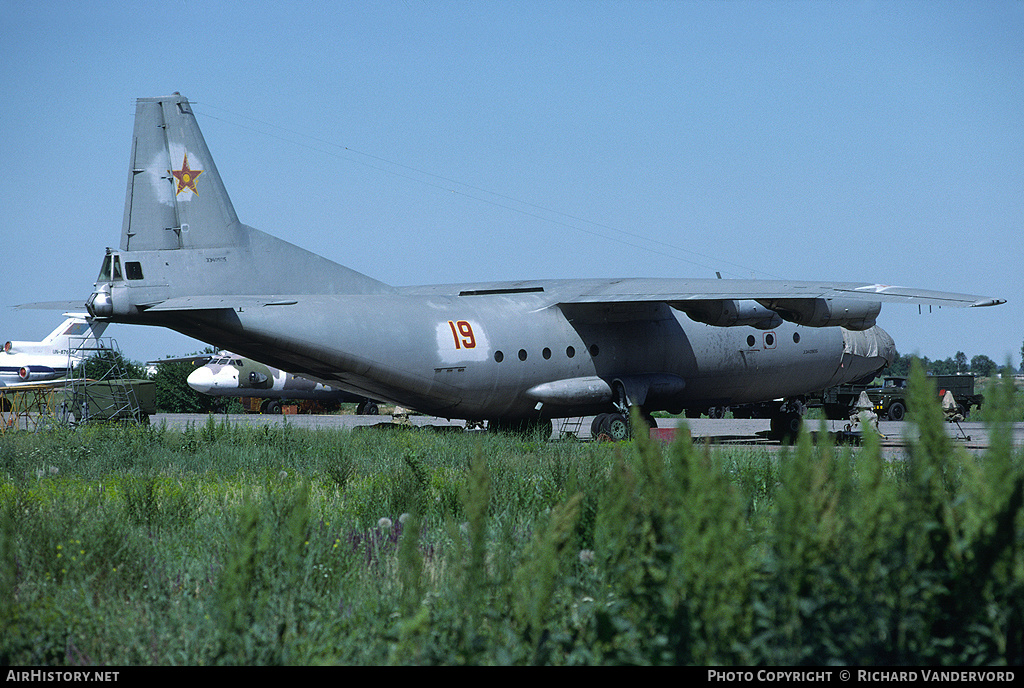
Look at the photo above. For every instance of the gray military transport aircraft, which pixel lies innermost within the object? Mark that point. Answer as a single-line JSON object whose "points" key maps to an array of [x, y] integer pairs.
{"points": [[511, 353]]}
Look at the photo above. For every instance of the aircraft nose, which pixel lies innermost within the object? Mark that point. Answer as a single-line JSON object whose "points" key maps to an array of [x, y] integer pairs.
{"points": [[201, 380], [866, 353], [886, 346]]}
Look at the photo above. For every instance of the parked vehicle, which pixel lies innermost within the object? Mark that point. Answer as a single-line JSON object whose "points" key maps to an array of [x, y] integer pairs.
{"points": [[890, 398]]}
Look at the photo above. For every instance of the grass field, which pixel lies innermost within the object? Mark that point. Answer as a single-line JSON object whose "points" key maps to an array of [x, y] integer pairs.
{"points": [[274, 545]]}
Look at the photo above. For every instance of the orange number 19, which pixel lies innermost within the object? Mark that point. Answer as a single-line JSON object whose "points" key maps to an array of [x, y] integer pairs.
{"points": [[462, 332]]}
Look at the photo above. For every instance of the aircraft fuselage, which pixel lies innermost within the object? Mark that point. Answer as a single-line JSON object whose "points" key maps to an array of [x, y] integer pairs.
{"points": [[515, 355]]}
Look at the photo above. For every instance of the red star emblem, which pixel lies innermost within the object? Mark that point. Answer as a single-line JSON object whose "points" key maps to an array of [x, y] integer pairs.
{"points": [[186, 177]]}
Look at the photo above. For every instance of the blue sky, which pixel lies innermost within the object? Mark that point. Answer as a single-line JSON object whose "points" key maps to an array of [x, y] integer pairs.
{"points": [[428, 142]]}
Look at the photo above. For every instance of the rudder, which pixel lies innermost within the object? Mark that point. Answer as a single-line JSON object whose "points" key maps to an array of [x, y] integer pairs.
{"points": [[175, 197]]}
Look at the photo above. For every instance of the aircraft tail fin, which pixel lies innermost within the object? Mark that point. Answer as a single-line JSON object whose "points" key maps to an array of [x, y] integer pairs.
{"points": [[176, 200], [78, 326], [173, 184], [76, 331], [61, 329]]}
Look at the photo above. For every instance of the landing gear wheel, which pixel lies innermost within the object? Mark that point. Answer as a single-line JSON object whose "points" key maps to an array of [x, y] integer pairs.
{"points": [[367, 408], [617, 427], [785, 427], [597, 425]]}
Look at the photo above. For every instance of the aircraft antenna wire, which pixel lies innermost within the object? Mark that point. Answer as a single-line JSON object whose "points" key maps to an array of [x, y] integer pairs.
{"points": [[568, 223]]}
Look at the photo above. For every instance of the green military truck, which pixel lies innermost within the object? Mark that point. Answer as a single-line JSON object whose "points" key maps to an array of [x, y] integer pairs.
{"points": [[83, 401], [890, 398]]}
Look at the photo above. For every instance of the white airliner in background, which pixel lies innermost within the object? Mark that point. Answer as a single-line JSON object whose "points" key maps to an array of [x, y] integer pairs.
{"points": [[55, 356]]}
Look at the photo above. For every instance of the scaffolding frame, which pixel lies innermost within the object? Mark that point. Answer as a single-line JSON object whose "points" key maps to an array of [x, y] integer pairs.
{"points": [[77, 399], [28, 407], [107, 397]]}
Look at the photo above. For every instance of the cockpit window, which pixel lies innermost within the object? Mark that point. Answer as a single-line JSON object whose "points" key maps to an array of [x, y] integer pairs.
{"points": [[111, 269], [133, 270], [105, 270]]}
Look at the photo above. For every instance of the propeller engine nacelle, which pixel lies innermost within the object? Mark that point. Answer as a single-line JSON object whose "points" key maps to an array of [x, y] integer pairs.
{"points": [[848, 313], [731, 313]]}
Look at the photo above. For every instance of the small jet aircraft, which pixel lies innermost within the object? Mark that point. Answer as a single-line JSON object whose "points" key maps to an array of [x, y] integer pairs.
{"points": [[230, 375], [511, 353], [25, 363]]}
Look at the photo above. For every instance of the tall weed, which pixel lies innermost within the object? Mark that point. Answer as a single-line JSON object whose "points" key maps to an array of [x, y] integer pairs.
{"points": [[233, 545]]}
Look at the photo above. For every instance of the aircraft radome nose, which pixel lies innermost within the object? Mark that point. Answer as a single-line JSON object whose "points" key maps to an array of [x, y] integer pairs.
{"points": [[201, 380], [886, 346], [865, 353]]}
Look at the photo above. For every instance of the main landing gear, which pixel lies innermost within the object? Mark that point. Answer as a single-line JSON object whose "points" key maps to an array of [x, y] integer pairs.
{"points": [[367, 407], [618, 425], [611, 426], [787, 420]]}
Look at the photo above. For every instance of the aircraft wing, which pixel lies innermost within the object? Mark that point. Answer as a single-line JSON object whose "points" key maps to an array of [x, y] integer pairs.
{"points": [[683, 291], [672, 290], [197, 359], [763, 304], [32, 386]]}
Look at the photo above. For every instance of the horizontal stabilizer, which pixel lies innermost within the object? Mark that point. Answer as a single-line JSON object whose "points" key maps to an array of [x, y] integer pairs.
{"points": [[52, 306], [207, 303]]}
